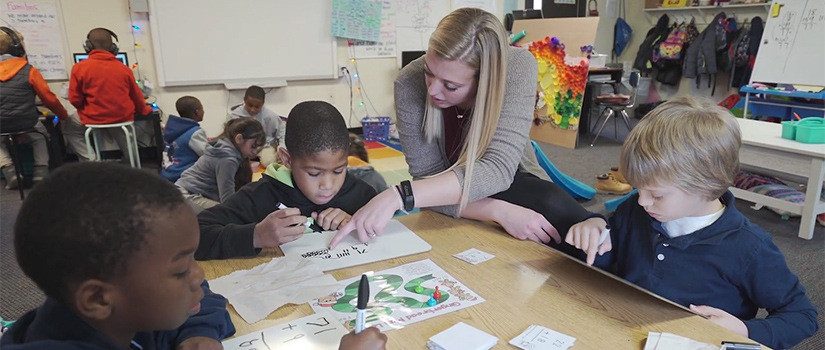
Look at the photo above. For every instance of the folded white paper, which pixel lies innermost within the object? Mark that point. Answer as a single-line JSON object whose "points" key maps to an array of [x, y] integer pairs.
{"points": [[256, 292]]}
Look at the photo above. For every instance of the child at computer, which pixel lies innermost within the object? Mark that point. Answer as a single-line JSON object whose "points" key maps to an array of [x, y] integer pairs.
{"points": [[19, 84], [103, 89], [185, 140], [312, 182], [253, 106], [359, 164], [224, 166], [112, 248], [681, 236]]}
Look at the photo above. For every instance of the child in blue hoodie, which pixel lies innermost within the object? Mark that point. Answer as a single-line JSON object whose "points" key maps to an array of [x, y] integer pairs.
{"points": [[184, 139], [118, 271]]}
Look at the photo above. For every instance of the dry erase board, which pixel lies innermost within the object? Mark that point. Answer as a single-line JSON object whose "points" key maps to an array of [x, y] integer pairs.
{"points": [[396, 241], [41, 24], [265, 42], [791, 50]]}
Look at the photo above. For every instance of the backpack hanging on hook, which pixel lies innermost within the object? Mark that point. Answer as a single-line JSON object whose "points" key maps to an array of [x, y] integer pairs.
{"points": [[593, 6]]}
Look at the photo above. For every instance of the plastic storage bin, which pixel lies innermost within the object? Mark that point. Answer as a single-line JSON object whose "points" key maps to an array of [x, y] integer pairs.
{"points": [[808, 130], [375, 128]]}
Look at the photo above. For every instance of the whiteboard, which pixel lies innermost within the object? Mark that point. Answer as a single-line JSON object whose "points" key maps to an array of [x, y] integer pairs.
{"points": [[238, 43], [41, 24], [791, 50], [396, 241]]}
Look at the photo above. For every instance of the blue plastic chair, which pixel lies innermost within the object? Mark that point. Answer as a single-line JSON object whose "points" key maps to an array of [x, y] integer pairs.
{"points": [[612, 204], [574, 187]]}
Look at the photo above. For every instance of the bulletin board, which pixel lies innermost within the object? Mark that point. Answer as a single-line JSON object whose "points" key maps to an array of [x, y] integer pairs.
{"points": [[791, 50], [41, 24]]}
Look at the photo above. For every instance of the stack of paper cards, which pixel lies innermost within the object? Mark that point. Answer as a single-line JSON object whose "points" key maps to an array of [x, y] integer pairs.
{"points": [[462, 336], [474, 256], [661, 341], [542, 338]]}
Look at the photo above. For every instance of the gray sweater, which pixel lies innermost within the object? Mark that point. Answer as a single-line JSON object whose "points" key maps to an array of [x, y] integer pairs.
{"points": [[494, 172], [274, 128], [213, 175]]}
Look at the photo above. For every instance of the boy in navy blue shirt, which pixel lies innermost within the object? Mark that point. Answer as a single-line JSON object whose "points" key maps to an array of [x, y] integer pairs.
{"points": [[118, 270], [681, 236], [184, 139]]}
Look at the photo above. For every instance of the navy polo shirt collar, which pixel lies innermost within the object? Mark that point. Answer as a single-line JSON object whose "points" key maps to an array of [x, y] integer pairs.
{"points": [[730, 222]]}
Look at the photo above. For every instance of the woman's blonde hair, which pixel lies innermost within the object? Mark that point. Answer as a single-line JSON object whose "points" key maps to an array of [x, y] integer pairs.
{"points": [[476, 38], [690, 143]]}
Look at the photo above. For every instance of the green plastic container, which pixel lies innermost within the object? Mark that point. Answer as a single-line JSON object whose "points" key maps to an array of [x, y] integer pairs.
{"points": [[789, 130], [810, 130]]}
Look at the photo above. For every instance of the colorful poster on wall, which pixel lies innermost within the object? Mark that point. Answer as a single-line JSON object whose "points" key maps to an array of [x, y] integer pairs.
{"points": [[562, 80]]}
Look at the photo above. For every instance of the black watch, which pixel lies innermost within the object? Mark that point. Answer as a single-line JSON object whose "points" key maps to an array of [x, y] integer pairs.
{"points": [[405, 189]]}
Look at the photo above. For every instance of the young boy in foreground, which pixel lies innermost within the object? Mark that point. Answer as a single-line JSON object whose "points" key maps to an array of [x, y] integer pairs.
{"points": [[681, 236]]}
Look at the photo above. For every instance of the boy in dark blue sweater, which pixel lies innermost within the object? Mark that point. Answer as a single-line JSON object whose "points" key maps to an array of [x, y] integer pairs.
{"points": [[681, 236], [184, 139], [118, 271]]}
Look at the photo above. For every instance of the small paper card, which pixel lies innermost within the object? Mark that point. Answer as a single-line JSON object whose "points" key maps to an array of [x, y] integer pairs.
{"points": [[314, 332], [474, 256], [542, 338], [462, 336]]}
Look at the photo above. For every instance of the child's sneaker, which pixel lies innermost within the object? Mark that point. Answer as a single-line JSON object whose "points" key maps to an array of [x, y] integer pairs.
{"points": [[11, 177], [608, 184], [820, 219], [614, 171], [39, 173]]}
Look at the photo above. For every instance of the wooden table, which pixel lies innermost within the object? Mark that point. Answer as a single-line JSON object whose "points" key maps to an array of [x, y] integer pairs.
{"points": [[764, 148], [526, 283]]}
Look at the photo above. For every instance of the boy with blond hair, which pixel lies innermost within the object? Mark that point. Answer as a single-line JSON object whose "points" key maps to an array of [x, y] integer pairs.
{"points": [[681, 236]]}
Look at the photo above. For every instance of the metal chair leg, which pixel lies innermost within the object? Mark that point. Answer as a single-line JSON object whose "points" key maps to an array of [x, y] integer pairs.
{"points": [[606, 119], [601, 115], [15, 161], [626, 119]]}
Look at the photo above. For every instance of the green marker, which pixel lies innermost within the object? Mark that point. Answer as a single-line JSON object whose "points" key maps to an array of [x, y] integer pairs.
{"points": [[518, 36]]}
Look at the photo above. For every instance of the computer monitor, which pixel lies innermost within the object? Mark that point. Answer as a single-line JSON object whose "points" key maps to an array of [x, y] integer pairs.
{"points": [[409, 56], [120, 55], [527, 14]]}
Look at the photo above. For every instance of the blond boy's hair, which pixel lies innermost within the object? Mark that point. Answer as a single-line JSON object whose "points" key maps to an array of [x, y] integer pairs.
{"points": [[688, 142]]}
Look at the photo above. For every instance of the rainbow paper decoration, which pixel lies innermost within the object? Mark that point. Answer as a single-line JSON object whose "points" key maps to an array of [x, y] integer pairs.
{"points": [[562, 81]]}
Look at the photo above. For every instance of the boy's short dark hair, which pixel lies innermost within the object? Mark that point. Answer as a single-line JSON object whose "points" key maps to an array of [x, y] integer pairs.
{"points": [[187, 106], [315, 126], [255, 92], [86, 221]]}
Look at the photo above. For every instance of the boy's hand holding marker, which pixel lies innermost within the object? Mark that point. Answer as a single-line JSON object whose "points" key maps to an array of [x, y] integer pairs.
{"points": [[279, 227], [331, 218], [592, 236]]}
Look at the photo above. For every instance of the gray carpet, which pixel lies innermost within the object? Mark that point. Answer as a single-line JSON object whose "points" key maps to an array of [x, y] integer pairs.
{"points": [[805, 258]]}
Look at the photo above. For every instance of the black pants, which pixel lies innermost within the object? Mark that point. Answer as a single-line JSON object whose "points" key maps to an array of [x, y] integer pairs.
{"points": [[548, 199]]}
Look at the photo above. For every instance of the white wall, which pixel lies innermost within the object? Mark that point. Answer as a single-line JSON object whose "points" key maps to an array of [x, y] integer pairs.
{"points": [[376, 75]]}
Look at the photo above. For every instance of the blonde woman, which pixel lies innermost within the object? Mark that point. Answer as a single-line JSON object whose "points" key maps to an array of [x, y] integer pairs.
{"points": [[464, 111]]}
